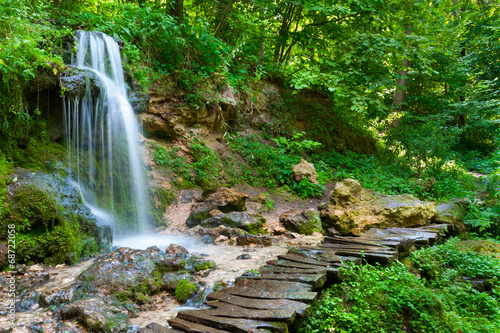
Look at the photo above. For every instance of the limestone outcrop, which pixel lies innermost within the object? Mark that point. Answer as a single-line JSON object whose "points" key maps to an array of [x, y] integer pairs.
{"points": [[353, 210], [224, 200], [304, 170], [305, 222]]}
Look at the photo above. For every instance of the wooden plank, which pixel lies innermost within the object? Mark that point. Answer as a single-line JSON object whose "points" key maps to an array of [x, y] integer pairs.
{"points": [[286, 270], [222, 309], [262, 304], [233, 324], [372, 257], [352, 240], [293, 264], [316, 280], [190, 327], [302, 259]]}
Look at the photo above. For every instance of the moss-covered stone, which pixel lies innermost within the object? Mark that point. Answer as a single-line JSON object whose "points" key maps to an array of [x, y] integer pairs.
{"points": [[52, 224], [305, 222], [185, 290]]}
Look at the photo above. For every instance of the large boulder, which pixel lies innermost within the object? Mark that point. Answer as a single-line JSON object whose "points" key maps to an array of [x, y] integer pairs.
{"points": [[304, 170], [210, 235], [354, 210], [224, 200], [305, 222], [97, 314], [135, 274], [251, 223], [56, 227]]}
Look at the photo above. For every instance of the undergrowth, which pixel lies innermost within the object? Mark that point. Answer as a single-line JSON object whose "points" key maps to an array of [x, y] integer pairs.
{"points": [[392, 299]]}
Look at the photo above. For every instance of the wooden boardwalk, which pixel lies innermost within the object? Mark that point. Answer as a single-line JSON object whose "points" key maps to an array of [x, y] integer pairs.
{"points": [[282, 291]]}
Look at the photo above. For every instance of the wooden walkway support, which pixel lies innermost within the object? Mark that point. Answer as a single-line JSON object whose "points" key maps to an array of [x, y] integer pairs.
{"points": [[282, 291]]}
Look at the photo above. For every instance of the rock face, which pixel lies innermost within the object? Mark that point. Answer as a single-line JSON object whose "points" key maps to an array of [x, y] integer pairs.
{"points": [[67, 231], [305, 170], [353, 210], [225, 200], [213, 235], [134, 274], [251, 223], [96, 314], [305, 222]]}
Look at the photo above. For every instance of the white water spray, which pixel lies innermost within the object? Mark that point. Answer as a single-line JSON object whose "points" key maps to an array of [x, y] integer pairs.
{"points": [[102, 135]]}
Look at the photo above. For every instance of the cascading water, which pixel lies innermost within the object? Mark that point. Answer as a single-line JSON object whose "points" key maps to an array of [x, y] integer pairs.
{"points": [[102, 135]]}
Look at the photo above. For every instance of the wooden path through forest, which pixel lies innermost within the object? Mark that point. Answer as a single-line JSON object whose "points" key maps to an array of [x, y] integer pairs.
{"points": [[283, 290]]}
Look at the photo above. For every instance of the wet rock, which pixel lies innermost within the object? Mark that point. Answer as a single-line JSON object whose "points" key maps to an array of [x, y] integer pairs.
{"points": [[185, 290], [190, 196], [171, 279], [354, 210], [252, 239], [122, 270], [209, 235], [305, 222], [176, 249], [57, 296], [225, 199], [139, 101], [96, 315], [133, 274], [251, 223], [221, 240], [74, 82], [51, 203], [244, 257], [304, 170]]}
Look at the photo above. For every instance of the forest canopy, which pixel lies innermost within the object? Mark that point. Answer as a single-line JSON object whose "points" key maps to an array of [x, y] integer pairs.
{"points": [[421, 76]]}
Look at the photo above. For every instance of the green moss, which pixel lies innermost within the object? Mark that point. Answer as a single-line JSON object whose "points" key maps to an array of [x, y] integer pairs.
{"points": [[44, 231], [204, 264], [256, 228], [185, 290], [311, 225]]}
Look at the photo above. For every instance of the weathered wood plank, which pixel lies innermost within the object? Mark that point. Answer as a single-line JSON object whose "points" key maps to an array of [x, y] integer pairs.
{"points": [[372, 257], [293, 264], [232, 324], [191, 327], [270, 289], [302, 259], [286, 270], [316, 280], [222, 309], [261, 304]]}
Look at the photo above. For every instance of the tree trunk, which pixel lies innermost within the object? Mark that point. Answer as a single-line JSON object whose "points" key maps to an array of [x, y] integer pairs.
{"points": [[401, 84], [402, 80], [177, 11]]}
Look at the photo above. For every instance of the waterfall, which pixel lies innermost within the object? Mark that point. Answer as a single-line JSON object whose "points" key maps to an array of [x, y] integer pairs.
{"points": [[102, 136]]}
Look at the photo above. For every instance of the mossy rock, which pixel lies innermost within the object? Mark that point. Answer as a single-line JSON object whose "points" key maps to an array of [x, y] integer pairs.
{"points": [[185, 290], [52, 224], [305, 222], [481, 246], [250, 222]]}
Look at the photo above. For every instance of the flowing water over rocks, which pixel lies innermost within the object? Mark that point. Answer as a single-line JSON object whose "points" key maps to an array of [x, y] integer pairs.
{"points": [[102, 134]]}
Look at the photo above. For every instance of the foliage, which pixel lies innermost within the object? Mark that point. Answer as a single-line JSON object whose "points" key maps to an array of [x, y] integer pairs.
{"points": [[388, 175], [272, 166], [391, 299], [29, 46], [204, 170], [484, 220]]}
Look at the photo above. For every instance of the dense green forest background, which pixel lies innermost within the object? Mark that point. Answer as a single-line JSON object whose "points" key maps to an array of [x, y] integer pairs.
{"points": [[420, 77]]}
